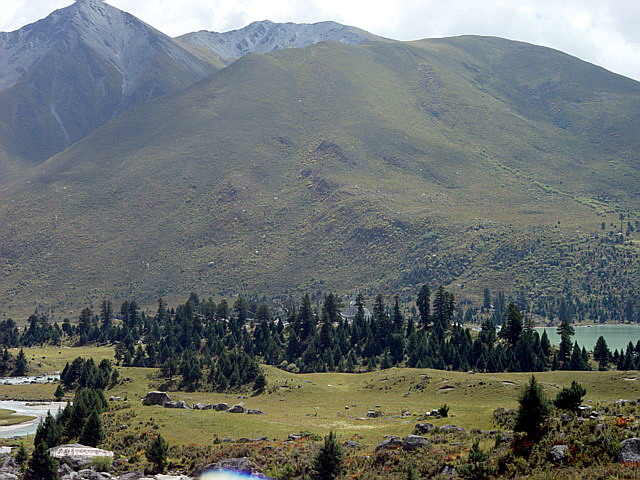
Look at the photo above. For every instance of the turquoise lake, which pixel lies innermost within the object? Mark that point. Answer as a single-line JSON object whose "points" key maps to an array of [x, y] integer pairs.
{"points": [[616, 336]]}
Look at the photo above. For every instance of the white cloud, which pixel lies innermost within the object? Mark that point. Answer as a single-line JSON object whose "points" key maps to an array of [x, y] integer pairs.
{"points": [[604, 32]]}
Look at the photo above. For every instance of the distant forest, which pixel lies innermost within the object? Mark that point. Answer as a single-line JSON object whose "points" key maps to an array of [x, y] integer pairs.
{"points": [[213, 346]]}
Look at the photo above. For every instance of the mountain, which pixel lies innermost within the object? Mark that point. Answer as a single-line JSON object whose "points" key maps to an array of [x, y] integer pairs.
{"points": [[472, 161], [65, 75], [266, 36]]}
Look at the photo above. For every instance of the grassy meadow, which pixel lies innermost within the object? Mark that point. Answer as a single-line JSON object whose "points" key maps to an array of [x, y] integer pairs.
{"points": [[316, 402], [8, 418]]}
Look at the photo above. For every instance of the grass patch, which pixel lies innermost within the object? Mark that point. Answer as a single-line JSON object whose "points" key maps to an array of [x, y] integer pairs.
{"points": [[8, 418], [316, 402]]}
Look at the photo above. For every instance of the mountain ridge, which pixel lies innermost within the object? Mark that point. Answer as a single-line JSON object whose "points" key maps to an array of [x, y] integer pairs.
{"points": [[333, 167], [86, 63], [267, 36]]}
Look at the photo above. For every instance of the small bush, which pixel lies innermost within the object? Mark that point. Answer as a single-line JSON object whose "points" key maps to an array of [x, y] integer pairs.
{"points": [[443, 411], [101, 464]]}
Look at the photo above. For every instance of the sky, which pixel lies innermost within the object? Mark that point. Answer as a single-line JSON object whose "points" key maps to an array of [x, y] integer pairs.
{"points": [[604, 32]]}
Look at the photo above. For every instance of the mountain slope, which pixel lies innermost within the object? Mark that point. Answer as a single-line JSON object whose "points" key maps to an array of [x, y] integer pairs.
{"points": [[471, 161], [63, 76], [265, 36]]}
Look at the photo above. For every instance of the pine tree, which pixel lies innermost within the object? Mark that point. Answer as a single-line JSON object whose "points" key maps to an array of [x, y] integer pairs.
{"points": [[398, 320], [92, 433], [49, 431], [59, 393], [41, 466], [411, 473], [512, 330], [601, 353], [533, 410], [21, 455], [327, 464], [476, 467], [570, 398], [423, 303], [157, 453], [21, 364], [576, 362], [260, 382]]}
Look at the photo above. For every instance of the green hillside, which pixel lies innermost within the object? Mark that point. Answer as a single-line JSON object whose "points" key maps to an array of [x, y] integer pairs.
{"points": [[470, 161]]}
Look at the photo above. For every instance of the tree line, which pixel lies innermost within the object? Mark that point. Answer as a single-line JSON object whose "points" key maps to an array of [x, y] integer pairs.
{"points": [[214, 346]]}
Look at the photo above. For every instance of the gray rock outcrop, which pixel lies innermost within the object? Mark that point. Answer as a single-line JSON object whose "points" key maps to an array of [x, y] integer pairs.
{"points": [[630, 450], [389, 443], [452, 429], [9, 468], [422, 428], [237, 409], [240, 465], [77, 452], [558, 453], [414, 442], [156, 398]]}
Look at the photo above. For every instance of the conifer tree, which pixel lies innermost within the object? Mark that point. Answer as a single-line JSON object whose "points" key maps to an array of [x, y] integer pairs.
{"points": [[601, 353], [423, 302], [49, 431], [411, 473], [92, 433], [512, 329], [327, 464], [157, 453], [21, 455], [570, 398], [397, 319], [41, 466], [533, 410], [21, 364], [59, 393]]}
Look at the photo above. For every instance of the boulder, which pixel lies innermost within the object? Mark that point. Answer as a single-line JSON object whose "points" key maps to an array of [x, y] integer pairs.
{"points": [[261, 439], [630, 450], [374, 414], [448, 471], [255, 412], [414, 442], [9, 469], [115, 399], [156, 398], [244, 440], [239, 465], [171, 477], [221, 407], [170, 405], [203, 406], [452, 429], [351, 444], [132, 476], [77, 453], [183, 405], [422, 428], [237, 409], [389, 443], [88, 474], [558, 453], [65, 469]]}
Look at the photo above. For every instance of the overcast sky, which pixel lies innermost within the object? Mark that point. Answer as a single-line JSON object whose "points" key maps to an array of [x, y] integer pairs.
{"points": [[604, 32]]}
